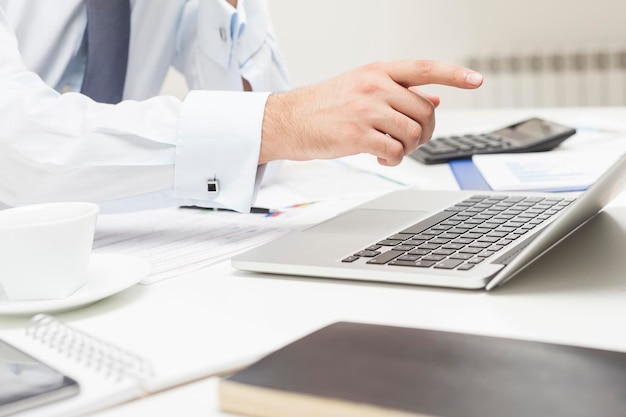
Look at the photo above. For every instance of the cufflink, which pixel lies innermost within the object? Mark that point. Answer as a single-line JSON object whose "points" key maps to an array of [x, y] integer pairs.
{"points": [[213, 186]]}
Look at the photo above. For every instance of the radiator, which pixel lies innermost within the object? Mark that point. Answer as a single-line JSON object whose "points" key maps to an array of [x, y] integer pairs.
{"points": [[594, 77]]}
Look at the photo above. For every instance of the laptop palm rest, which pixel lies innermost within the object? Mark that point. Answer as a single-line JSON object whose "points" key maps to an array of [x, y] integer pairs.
{"points": [[370, 222]]}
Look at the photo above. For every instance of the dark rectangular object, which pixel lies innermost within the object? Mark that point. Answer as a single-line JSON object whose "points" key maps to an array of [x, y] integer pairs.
{"points": [[353, 369]]}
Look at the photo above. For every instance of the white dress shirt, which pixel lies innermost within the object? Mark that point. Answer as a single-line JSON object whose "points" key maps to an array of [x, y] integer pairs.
{"points": [[147, 151]]}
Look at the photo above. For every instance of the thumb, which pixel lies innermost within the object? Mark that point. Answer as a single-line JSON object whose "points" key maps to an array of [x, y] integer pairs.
{"points": [[432, 98]]}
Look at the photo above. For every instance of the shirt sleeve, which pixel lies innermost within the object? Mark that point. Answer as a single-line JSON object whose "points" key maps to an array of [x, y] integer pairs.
{"points": [[60, 147], [133, 155]]}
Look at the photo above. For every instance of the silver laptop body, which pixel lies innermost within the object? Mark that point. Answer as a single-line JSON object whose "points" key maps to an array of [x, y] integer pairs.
{"points": [[332, 248]]}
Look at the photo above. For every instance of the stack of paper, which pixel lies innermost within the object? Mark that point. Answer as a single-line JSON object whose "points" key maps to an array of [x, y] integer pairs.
{"points": [[570, 170]]}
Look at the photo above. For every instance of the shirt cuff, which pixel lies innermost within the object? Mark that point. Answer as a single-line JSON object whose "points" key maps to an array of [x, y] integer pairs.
{"points": [[217, 152]]}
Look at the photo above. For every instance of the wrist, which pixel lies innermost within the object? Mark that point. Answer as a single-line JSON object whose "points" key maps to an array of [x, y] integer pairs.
{"points": [[275, 119]]}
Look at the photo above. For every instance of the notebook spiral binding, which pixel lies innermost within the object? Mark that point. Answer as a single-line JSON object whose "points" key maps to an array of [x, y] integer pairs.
{"points": [[94, 353]]}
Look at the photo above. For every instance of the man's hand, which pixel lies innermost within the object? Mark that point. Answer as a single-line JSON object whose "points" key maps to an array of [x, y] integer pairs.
{"points": [[373, 109]]}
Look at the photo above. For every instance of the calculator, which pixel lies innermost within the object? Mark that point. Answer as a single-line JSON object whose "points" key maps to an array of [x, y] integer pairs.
{"points": [[530, 135]]}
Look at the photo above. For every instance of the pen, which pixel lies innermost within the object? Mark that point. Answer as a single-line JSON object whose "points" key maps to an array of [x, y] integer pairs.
{"points": [[255, 210]]}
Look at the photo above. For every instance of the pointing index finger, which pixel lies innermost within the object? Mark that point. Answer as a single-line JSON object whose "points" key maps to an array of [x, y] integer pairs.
{"points": [[420, 72]]}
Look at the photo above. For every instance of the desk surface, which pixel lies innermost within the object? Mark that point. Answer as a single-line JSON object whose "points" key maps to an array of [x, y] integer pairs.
{"points": [[575, 294]]}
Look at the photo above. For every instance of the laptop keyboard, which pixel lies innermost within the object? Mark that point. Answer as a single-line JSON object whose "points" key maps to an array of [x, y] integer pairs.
{"points": [[463, 235]]}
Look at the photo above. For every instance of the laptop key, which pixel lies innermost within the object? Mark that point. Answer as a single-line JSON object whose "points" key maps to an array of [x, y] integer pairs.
{"points": [[453, 246], [470, 250], [367, 253], [449, 264], [420, 252], [409, 258], [462, 256], [388, 242], [385, 257], [419, 264], [403, 247], [433, 257], [444, 252]]}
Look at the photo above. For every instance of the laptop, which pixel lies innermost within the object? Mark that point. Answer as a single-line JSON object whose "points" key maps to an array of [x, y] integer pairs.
{"points": [[459, 239]]}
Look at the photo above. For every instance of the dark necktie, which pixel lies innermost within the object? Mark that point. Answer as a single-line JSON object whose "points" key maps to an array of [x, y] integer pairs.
{"points": [[108, 33]]}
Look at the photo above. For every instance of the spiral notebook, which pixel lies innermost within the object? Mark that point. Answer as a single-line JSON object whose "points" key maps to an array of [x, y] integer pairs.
{"points": [[114, 371]]}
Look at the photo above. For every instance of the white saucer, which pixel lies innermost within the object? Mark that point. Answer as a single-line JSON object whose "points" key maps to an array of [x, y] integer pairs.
{"points": [[108, 274]]}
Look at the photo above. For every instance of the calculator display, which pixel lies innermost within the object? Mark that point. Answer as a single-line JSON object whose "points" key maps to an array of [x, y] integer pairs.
{"points": [[531, 130]]}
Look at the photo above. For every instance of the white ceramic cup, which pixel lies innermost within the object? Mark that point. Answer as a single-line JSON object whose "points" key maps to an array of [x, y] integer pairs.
{"points": [[45, 249]]}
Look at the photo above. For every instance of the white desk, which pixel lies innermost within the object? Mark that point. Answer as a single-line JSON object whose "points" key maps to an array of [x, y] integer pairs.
{"points": [[575, 294]]}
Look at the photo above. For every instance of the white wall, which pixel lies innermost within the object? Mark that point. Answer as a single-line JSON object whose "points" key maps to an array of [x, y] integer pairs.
{"points": [[321, 38]]}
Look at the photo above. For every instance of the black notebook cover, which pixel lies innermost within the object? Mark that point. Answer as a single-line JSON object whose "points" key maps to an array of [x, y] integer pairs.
{"points": [[352, 369]]}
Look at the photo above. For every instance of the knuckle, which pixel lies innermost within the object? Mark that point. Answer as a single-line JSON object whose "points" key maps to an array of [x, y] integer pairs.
{"points": [[372, 78], [370, 86], [424, 66], [394, 151], [415, 132]]}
